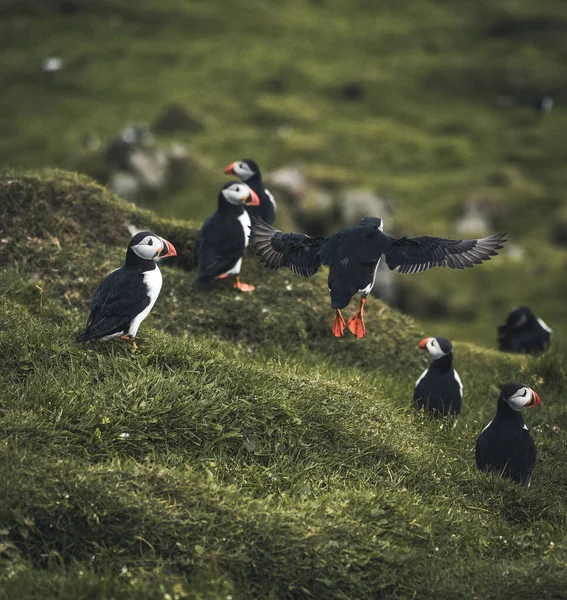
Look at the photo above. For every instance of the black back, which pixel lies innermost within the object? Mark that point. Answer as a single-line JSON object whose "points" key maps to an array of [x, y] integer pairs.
{"points": [[506, 446], [438, 391], [221, 241], [522, 333], [266, 210]]}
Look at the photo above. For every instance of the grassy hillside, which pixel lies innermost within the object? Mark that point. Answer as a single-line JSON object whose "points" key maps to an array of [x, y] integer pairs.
{"points": [[242, 451], [429, 102]]}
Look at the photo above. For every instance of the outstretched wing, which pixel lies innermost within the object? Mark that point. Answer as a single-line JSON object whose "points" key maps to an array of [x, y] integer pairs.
{"points": [[297, 252], [414, 255]]}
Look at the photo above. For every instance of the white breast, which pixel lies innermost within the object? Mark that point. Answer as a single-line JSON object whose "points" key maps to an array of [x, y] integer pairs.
{"points": [[152, 281], [244, 219], [459, 382]]}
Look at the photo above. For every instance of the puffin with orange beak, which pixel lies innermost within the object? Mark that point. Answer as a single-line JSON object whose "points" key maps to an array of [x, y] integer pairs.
{"points": [[248, 171], [126, 296], [224, 236], [439, 390], [505, 445]]}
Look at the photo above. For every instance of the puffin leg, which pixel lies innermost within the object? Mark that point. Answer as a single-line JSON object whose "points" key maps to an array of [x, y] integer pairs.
{"points": [[223, 276], [242, 287], [130, 338], [356, 323], [339, 325]]}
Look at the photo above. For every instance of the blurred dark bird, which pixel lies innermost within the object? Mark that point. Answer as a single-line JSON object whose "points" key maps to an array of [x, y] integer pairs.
{"points": [[439, 390], [248, 171], [544, 104], [224, 236], [505, 445], [524, 333], [353, 255], [126, 296]]}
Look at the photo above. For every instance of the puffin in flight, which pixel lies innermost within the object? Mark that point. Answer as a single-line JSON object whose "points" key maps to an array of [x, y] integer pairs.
{"points": [[439, 390], [523, 332], [248, 171], [126, 296], [353, 255], [224, 236], [505, 445]]}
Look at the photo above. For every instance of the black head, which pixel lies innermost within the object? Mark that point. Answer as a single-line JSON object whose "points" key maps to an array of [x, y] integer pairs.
{"points": [[520, 317], [147, 245], [237, 193], [373, 221], [518, 395], [437, 347], [244, 169]]}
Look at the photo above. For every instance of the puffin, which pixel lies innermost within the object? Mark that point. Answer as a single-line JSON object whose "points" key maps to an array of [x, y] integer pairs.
{"points": [[523, 332], [439, 389], [126, 296], [248, 171], [505, 445], [224, 236], [353, 255]]}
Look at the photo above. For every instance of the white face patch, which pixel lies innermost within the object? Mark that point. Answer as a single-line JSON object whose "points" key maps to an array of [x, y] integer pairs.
{"points": [[520, 398], [434, 349], [243, 171], [236, 193], [149, 247]]}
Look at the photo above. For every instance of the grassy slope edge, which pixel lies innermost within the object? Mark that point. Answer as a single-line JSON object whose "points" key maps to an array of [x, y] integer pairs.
{"points": [[241, 452]]}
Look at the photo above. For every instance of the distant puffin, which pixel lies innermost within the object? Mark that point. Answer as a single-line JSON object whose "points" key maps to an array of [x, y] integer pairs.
{"points": [[524, 333], [224, 236], [439, 390], [248, 171], [505, 444], [354, 253], [126, 296]]}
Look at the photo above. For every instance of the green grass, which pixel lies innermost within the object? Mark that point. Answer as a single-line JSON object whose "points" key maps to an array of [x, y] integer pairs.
{"points": [[239, 452], [428, 129]]}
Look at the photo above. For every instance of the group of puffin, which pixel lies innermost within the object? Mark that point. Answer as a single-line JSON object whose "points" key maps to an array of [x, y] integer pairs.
{"points": [[244, 216]]}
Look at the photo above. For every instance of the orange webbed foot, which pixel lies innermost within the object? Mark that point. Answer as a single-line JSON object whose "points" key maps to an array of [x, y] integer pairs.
{"points": [[356, 325], [243, 287], [129, 338], [339, 325]]}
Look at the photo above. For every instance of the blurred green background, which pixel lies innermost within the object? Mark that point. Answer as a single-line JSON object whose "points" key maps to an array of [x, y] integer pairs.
{"points": [[436, 107]]}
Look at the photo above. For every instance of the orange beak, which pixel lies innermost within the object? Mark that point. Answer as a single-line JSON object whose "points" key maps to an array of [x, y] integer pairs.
{"points": [[423, 343], [252, 199], [535, 401], [230, 169], [169, 247]]}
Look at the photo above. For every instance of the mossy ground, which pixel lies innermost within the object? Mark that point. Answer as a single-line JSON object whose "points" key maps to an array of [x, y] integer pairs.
{"points": [[242, 451]]}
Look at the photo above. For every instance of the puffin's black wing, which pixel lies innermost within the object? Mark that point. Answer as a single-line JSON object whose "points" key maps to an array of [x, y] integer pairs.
{"points": [[414, 255], [119, 298], [297, 252]]}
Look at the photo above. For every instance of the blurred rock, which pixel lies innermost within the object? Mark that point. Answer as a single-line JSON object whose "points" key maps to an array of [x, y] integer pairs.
{"points": [[91, 142], [177, 117], [125, 185], [544, 104], [150, 168], [288, 184], [316, 212], [513, 251], [353, 91], [52, 64], [357, 203], [476, 219], [131, 138]]}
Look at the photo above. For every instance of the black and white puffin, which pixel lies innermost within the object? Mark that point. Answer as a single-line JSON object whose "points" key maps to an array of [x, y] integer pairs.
{"points": [[126, 296], [248, 171], [224, 236], [353, 255], [523, 332], [439, 390], [505, 445]]}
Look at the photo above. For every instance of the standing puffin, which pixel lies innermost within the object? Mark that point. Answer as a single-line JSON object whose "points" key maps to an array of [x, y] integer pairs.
{"points": [[523, 332], [248, 171], [224, 236], [505, 445], [354, 253], [439, 390], [126, 296]]}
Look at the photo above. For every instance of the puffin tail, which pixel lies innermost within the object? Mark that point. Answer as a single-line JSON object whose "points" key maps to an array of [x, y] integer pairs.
{"points": [[204, 281]]}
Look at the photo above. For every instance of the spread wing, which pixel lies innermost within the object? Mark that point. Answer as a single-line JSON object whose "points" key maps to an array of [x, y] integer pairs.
{"points": [[414, 255], [297, 252], [117, 300]]}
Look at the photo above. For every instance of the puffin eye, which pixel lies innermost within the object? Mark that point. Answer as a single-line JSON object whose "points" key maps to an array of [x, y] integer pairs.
{"points": [[150, 242], [237, 189]]}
